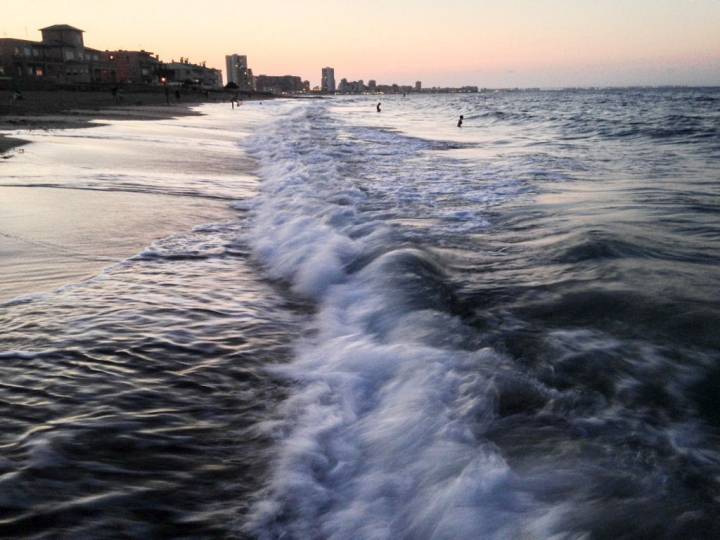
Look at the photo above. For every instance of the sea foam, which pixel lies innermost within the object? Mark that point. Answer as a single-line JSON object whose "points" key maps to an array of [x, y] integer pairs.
{"points": [[382, 434]]}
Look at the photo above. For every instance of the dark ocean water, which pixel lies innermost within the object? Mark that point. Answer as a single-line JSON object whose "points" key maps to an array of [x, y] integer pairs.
{"points": [[509, 330]]}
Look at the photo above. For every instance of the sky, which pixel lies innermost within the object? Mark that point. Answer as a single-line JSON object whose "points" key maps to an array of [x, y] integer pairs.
{"points": [[487, 43]]}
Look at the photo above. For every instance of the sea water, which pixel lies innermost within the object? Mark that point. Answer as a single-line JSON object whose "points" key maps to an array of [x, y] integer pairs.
{"points": [[404, 329]]}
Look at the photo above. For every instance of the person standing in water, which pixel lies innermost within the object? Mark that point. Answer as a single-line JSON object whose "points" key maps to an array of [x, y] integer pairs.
{"points": [[460, 120], [378, 107]]}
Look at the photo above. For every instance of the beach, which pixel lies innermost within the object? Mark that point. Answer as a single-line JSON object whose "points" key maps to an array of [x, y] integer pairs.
{"points": [[54, 232], [59, 109]]}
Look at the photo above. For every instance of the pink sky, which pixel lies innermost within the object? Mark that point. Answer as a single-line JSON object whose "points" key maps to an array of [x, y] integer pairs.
{"points": [[481, 42]]}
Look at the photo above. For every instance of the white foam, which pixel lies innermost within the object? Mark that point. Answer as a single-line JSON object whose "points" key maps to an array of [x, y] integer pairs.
{"points": [[382, 436]]}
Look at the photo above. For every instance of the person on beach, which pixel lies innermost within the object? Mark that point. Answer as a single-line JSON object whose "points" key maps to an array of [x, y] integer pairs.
{"points": [[167, 95], [378, 107], [114, 93], [460, 120], [177, 95]]}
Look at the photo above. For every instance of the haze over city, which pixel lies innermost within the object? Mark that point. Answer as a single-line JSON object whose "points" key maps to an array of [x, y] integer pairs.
{"points": [[521, 43]]}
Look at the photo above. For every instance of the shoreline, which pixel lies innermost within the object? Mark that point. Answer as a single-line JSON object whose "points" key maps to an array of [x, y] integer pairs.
{"points": [[65, 109], [11, 141], [8, 143], [54, 232], [43, 118]]}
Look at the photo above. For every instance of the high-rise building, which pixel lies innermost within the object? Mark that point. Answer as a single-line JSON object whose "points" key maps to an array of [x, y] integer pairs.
{"points": [[234, 63], [236, 67], [328, 80], [418, 86]]}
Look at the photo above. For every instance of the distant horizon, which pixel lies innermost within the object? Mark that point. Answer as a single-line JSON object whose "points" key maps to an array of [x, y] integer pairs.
{"points": [[546, 44]]}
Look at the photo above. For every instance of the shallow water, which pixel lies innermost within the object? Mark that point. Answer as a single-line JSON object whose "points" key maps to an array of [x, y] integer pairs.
{"points": [[76, 201], [403, 330]]}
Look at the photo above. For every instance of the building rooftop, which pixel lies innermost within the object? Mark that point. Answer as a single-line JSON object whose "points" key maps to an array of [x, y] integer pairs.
{"points": [[17, 40], [61, 27]]}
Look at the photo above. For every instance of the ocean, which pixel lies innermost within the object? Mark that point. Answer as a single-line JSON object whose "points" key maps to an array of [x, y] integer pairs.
{"points": [[362, 325]]}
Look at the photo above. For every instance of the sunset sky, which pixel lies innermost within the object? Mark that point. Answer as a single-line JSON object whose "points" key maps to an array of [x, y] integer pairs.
{"points": [[490, 43]]}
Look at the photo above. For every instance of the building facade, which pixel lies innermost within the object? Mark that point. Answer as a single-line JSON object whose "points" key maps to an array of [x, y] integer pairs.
{"points": [[134, 67], [237, 71], [327, 84], [60, 57], [282, 84], [187, 74]]}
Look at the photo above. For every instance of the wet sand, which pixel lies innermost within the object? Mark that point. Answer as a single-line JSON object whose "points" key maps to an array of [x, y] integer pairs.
{"points": [[59, 227], [53, 237], [37, 102], [67, 109]]}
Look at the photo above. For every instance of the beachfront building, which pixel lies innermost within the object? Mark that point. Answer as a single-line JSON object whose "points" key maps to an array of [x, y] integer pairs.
{"points": [[352, 87], [418, 86], [238, 73], [60, 57], [327, 84], [187, 74], [134, 67], [235, 64], [279, 84]]}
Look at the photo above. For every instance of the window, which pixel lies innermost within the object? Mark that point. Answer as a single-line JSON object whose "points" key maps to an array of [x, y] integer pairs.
{"points": [[27, 51], [35, 52], [39, 71], [69, 55]]}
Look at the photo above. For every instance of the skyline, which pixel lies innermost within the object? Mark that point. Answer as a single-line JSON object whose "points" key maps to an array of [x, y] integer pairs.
{"points": [[490, 44]]}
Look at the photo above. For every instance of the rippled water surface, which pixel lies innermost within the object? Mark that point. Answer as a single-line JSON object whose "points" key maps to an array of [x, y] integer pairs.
{"points": [[385, 326]]}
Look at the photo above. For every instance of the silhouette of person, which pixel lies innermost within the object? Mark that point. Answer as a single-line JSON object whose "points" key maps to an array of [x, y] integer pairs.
{"points": [[378, 107], [460, 120], [177, 95]]}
